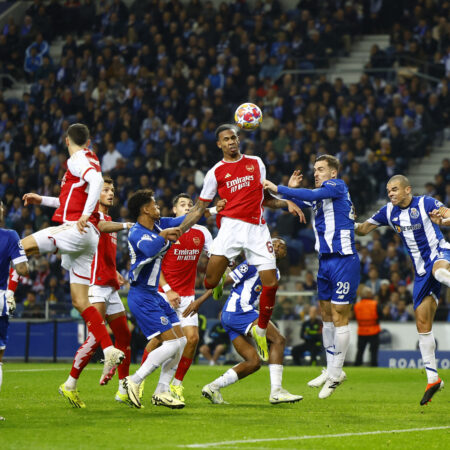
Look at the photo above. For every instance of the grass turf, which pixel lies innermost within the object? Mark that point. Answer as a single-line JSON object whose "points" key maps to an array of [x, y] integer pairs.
{"points": [[371, 400]]}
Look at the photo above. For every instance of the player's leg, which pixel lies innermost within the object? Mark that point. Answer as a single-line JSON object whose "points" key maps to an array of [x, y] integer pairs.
{"points": [[441, 270], [425, 313], [276, 356], [81, 359], [2, 352], [251, 363], [30, 245], [216, 267]]}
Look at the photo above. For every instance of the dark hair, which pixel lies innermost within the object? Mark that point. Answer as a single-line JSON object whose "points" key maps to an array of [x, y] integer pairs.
{"points": [[182, 195], [224, 127], [137, 201], [78, 134], [107, 179], [331, 160]]}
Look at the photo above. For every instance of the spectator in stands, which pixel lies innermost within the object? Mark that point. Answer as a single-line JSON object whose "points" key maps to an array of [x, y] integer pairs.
{"points": [[218, 346]]}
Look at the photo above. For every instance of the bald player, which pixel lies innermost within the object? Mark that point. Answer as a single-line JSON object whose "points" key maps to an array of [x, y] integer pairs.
{"points": [[416, 220]]}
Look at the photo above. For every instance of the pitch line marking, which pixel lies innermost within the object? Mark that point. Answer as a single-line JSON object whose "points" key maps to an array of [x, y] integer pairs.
{"points": [[319, 436]]}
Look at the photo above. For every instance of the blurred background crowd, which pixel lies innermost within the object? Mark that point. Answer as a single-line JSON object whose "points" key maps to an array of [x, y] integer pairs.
{"points": [[155, 78]]}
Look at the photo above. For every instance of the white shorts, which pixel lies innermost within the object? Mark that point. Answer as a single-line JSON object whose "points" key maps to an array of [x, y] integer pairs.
{"points": [[108, 295], [77, 249], [236, 235], [191, 321]]}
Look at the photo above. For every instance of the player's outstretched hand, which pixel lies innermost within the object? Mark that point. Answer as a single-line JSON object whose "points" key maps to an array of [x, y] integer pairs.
{"points": [[271, 186], [32, 199], [191, 309], [82, 223], [296, 179], [171, 234], [173, 298], [296, 211], [220, 205]]}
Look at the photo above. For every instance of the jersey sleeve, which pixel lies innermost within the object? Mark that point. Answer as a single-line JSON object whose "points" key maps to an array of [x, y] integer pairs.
{"points": [[209, 189], [150, 245], [431, 204], [169, 222], [379, 218], [329, 189], [15, 249], [79, 165], [242, 272], [208, 240], [262, 169]]}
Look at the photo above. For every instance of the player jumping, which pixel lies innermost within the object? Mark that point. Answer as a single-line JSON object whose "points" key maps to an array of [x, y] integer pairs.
{"points": [[338, 276], [238, 179], [77, 237], [412, 218]]}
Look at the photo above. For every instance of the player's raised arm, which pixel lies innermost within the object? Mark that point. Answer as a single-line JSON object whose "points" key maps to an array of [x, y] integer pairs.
{"points": [[32, 198], [194, 215], [276, 203], [111, 227], [441, 216]]}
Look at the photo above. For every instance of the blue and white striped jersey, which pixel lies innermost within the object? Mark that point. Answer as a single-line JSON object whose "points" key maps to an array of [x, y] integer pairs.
{"points": [[147, 249], [422, 238], [334, 216], [10, 250], [247, 287]]}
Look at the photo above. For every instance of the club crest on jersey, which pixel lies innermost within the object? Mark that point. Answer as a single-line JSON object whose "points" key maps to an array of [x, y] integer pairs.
{"points": [[196, 241], [243, 269], [164, 320], [414, 213], [250, 168]]}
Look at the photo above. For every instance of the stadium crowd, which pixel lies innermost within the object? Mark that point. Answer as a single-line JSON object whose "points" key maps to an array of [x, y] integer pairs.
{"points": [[154, 80]]}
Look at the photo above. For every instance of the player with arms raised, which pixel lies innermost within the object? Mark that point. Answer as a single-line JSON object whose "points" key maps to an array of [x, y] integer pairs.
{"points": [[77, 237], [338, 276], [11, 250], [412, 218], [238, 179]]}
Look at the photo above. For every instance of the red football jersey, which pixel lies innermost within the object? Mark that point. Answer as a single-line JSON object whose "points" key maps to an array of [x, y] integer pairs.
{"points": [[179, 264], [74, 188], [103, 270], [241, 184]]}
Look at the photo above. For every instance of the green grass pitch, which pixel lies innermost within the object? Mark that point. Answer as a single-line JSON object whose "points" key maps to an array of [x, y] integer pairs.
{"points": [[372, 400]]}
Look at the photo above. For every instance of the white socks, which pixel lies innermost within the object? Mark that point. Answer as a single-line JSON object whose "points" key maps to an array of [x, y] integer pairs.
{"points": [[122, 389], [260, 331], [167, 350], [71, 383], [342, 339], [443, 276], [328, 333], [1, 375], [229, 377], [276, 376], [169, 368], [427, 347]]}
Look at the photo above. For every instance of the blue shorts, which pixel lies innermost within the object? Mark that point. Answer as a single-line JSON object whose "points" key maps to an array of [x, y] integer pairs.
{"points": [[170, 312], [427, 284], [338, 278], [238, 323], [152, 316], [4, 324]]}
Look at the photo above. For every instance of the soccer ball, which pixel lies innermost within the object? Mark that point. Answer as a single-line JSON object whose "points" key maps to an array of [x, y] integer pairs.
{"points": [[248, 116]]}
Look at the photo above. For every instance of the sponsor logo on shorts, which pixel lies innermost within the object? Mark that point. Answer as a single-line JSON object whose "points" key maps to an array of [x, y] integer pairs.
{"points": [[414, 213], [164, 320]]}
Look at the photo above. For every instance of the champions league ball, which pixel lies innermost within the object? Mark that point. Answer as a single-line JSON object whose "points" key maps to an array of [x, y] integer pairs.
{"points": [[248, 116]]}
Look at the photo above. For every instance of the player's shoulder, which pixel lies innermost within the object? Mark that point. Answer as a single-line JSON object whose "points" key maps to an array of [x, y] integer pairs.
{"points": [[8, 235], [430, 202], [214, 168], [253, 157], [336, 184], [201, 229], [104, 216]]}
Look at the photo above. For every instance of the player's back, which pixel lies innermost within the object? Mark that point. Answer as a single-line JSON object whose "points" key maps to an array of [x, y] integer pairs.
{"points": [[246, 289], [75, 189], [334, 220], [179, 265], [240, 183], [104, 262]]}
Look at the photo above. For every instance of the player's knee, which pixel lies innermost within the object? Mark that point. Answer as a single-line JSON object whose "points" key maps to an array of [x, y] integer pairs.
{"points": [[210, 281], [279, 339], [192, 339], [271, 283], [255, 364]]}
